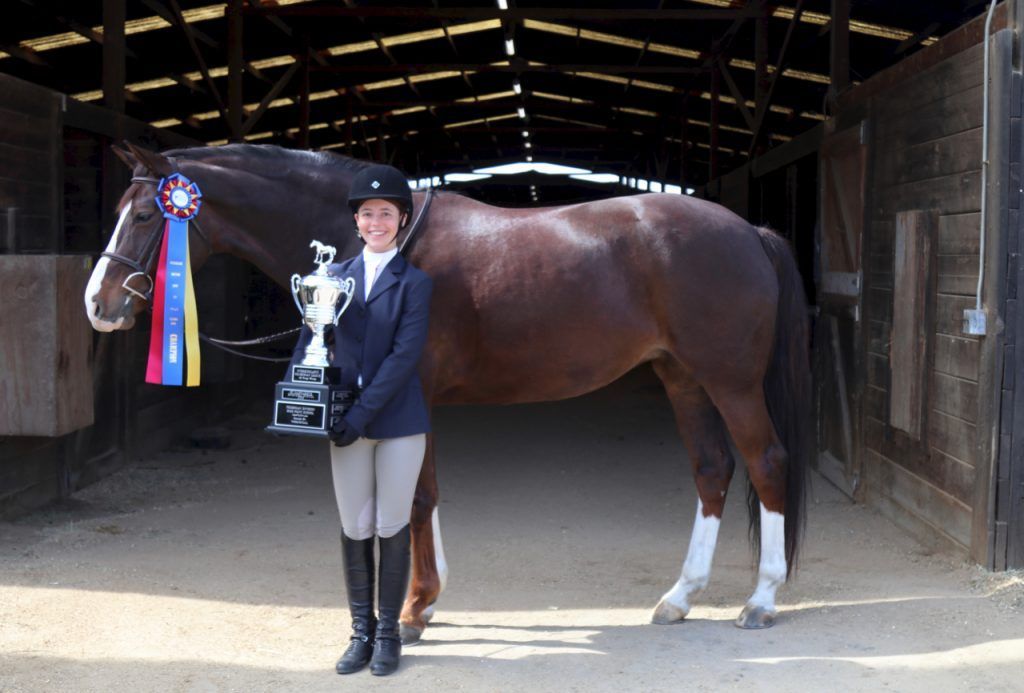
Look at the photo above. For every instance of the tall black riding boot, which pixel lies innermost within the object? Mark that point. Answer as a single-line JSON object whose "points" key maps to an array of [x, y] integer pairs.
{"points": [[357, 559], [394, 580]]}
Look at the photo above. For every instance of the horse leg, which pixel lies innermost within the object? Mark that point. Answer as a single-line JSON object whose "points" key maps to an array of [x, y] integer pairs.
{"points": [[747, 418], [427, 553], [704, 435]]}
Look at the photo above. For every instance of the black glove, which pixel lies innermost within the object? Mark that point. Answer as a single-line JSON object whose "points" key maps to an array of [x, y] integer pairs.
{"points": [[343, 434]]}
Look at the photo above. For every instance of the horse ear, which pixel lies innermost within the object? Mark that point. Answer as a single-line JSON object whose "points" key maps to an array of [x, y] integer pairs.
{"points": [[125, 156], [155, 162]]}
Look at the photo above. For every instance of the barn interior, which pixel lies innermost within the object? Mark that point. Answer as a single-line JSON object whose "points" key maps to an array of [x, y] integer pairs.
{"points": [[843, 125]]}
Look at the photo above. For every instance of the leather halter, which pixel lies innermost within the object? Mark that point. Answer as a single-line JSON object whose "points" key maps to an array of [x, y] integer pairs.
{"points": [[151, 246]]}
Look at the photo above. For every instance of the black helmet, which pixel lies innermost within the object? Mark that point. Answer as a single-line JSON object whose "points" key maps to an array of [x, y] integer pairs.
{"points": [[381, 182]]}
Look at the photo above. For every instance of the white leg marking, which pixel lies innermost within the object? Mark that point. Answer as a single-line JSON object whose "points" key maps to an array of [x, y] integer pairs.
{"points": [[96, 279], [442, 564], [697, 566], [772, 571]]}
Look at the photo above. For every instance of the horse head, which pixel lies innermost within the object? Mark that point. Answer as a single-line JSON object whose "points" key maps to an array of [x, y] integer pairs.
{"points": [[261, 203], [121, 285]]}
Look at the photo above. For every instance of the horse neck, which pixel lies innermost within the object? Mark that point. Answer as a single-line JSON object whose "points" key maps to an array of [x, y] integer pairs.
{"points": [[271, 222]]}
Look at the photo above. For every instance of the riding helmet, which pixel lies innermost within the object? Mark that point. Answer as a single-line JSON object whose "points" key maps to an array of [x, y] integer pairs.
{"points": [[381, 182]]}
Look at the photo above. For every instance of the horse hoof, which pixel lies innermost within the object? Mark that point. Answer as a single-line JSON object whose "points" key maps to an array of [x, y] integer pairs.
{"points": [[755, 618], [428, 613], [666, 614], [410, 634]]}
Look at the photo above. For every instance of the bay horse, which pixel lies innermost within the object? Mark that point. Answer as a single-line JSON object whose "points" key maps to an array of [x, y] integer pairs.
{"points": [[540, 304]]}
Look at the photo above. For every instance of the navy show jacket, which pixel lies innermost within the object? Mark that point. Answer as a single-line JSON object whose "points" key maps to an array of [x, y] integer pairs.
{"points": [[381, 338]]}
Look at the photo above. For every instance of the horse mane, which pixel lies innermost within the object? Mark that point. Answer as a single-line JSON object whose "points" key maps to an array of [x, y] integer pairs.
{"points": [[266, 160]]}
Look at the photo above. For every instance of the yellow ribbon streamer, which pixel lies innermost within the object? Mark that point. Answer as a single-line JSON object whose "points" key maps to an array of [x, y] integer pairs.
{"points": [[191, 325]]}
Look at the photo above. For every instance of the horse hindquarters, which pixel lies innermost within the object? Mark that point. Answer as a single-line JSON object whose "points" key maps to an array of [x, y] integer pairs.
{"points": [[770, 424], [703, 432]]}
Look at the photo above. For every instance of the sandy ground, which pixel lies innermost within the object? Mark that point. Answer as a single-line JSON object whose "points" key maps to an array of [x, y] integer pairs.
{"points": [[563, 524]]}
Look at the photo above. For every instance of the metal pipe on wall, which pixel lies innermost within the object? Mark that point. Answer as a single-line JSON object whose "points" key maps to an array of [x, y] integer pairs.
{"points": [[974, 320]]}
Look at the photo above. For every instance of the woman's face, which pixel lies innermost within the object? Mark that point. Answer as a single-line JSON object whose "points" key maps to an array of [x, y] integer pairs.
{"points": [[377, 221]]}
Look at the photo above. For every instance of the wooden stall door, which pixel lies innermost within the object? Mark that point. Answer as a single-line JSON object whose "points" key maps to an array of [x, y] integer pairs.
{"points": [[837, 334]]}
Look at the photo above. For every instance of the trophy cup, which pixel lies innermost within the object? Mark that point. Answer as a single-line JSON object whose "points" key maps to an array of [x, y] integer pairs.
{"points": [[311, 398]]}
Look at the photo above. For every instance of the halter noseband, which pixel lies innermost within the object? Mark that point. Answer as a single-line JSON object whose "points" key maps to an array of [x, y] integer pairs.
{"points": [[148, 249]]}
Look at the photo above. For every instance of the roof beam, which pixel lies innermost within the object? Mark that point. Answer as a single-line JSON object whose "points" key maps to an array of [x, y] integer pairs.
{"points": [[515, 66], [839, 54], [113, 54], [764, 106], [735, 91], [180, 20], [512, 13]]}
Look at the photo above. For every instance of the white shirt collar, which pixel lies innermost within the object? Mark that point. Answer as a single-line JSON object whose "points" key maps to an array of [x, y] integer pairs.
{"points": [[372, 259]]}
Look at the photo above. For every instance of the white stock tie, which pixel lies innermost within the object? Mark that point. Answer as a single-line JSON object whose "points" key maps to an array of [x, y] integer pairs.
{"points": [[376, 274]]}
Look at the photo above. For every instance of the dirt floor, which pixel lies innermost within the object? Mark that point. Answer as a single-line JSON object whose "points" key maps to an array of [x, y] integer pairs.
{"points": [[563, 524]]}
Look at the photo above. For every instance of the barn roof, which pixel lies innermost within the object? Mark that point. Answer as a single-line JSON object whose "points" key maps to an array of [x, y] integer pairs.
{"points": [[437, 87]]}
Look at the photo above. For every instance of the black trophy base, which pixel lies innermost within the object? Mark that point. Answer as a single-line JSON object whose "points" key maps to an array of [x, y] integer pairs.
{"points": [[309, 401]]}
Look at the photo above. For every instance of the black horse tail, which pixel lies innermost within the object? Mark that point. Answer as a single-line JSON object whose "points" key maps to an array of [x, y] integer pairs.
{"points": [[787, 388]]}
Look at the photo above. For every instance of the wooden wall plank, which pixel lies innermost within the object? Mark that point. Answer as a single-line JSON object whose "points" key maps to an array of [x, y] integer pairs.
{"points": [[878, 337], [878, 371], [949, 77], [959, 234], [953, 436], [875, 402], [33, 197], [957, 274], [957, 356], [25, 130], [878, 304], [954, 396], [45, 345], [26, 161], [956, 113], [941, 156], [952, 194], [913, 258], [880, 243], [917, 506], [949, 313]]}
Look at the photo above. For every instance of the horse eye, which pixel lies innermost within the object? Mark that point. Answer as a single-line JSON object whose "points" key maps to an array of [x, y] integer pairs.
{"points": [[143, 217]]}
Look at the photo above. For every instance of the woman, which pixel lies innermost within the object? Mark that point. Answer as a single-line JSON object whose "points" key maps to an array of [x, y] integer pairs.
{"points": [[379, 443]]}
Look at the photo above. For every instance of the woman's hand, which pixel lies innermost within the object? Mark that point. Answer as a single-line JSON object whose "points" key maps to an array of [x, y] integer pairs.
{"points": [[343, 434]]}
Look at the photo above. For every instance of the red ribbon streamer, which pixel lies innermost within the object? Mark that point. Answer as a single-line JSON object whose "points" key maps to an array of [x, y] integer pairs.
{"points": [[154, 367]]}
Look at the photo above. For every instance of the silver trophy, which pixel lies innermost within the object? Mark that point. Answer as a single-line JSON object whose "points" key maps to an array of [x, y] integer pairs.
{"points": [[311, 397], [317, 296]]}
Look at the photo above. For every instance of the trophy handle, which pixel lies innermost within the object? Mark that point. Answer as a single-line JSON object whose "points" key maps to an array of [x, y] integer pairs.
{"points": [[348, 287], [296, 281]]}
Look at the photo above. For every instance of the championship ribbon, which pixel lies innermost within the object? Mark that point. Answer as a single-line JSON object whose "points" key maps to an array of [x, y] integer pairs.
{"points": [[175, 332]]}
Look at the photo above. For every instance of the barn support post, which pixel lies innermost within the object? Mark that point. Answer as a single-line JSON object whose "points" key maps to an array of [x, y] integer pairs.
{"points": [[1010, 474], [839, 50], [113, 54], [763, 104], [761, 57], [349, 135], [1001, 413], [233, 12], [999, 523], [113, 100], [682, 148], [715, 105], [304, 96]]}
